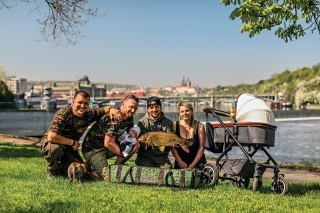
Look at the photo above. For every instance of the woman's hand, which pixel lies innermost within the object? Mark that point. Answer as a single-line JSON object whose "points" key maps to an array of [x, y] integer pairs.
{"points": [[191, 166], [183, 165]]}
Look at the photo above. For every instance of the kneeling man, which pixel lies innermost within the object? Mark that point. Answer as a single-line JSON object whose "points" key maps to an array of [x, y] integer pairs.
{"points": [[101, 144]]}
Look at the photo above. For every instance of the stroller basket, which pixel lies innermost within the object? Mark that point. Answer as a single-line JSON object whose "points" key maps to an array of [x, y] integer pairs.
{"points": [[247, 133], [238, 167]]}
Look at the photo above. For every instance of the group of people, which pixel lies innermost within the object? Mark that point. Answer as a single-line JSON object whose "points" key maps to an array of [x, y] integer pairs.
{"points": [[112, 133]]}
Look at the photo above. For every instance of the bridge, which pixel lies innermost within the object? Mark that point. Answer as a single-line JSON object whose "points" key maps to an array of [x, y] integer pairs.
{"points": [[194, 98]]}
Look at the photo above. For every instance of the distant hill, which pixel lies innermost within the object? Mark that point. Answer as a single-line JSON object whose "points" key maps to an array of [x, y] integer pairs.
{"points": [[300, 86]]}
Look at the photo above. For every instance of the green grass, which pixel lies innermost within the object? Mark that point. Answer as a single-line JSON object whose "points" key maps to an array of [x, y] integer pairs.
{"points": [[24, 188]]}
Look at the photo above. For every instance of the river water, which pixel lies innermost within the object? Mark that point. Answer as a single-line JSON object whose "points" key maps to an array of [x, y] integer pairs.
{"points": [[294, 139]]}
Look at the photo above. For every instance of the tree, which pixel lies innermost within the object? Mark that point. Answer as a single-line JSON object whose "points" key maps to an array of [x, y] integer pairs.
{"points": [[3, 73], [292, 18], [5, 94], [61, 17]]}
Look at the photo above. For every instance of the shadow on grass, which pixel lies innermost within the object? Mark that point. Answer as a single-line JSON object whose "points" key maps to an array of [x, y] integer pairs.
{"points": [[294, 188], [303, 188], [16, 151], [49, 206]]}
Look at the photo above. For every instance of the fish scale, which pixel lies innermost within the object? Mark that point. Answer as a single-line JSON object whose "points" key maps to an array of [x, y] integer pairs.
{"points": [[163, 139]]}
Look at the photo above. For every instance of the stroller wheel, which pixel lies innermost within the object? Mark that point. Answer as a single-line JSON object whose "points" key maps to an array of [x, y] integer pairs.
{"points": [[209, 174], [280, 186], [240, 182], [257, 184]]}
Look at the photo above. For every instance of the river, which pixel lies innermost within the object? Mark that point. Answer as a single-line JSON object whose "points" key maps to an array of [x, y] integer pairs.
{"points": [[294, 140]]}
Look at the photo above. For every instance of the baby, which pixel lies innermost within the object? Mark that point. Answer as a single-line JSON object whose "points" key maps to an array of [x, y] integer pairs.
{"points": [[127, 140]]}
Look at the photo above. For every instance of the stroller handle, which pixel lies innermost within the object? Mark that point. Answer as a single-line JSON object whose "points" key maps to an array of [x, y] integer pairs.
{"points": [[218, 112]]}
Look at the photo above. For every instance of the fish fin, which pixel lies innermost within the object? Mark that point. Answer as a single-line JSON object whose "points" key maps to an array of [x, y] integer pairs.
{"points": [[185, 148], [161, 148]]}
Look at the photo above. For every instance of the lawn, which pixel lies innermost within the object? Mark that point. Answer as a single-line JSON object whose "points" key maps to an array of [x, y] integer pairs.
{"points": [[24, 188]]}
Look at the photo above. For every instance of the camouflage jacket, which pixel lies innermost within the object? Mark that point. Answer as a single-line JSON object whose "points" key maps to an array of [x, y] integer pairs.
{"points": [[95, 137], [66, 124]]}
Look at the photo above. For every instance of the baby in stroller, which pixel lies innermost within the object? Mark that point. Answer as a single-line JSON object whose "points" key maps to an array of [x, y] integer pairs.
{"points": [[127, 140]]}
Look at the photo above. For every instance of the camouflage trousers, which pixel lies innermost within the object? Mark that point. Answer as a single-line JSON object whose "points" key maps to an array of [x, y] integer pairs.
{"points": [[58, 157], [98, 159]]}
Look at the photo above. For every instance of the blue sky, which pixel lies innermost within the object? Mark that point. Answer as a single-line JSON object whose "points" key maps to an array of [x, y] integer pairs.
{"points": [[152, 43]]}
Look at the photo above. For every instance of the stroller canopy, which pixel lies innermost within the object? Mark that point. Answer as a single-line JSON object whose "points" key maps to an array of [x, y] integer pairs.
{"points": [[249, 108]]}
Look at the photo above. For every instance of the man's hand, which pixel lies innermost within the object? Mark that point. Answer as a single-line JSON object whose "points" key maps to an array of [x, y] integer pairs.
{"points": [[114, 112], [173, 145], [135, 148], [76, 145]]}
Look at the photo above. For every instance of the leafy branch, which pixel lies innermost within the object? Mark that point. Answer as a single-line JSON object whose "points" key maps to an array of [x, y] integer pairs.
{"points": [[62, 18], [292, 17]]}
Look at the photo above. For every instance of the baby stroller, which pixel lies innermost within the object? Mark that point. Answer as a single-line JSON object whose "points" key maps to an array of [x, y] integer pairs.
{"points": [[253, 126]]}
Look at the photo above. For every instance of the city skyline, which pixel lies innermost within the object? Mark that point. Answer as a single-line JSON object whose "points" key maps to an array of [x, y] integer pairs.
{"points": [[152, 44]]}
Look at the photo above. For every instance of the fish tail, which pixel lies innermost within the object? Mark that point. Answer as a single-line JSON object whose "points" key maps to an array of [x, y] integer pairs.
{"points": [[185, 148]]}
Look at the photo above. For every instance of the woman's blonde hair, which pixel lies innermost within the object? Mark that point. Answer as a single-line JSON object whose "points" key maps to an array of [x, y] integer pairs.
{"points": [[193, 122]]}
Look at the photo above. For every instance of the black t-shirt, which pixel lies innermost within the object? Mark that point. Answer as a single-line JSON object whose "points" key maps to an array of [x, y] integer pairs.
{"points": [[188, 158]]}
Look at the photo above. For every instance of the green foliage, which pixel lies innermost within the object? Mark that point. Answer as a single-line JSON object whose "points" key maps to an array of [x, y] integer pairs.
{"points": [[312, 163], [24, 188], [5, 94], [291, 19], [3, 73], [300, 86]]}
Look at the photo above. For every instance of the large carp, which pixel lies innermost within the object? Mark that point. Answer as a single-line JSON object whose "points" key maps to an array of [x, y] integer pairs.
{"points": [[163, 139]]}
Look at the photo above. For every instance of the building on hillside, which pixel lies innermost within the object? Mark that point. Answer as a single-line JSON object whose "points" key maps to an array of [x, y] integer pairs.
{"points": [[185, 89], [154, 91], [143, 89], [122, 95], [167, 89], [123, 92], [185, 82], [17, 85], [117, 90]]}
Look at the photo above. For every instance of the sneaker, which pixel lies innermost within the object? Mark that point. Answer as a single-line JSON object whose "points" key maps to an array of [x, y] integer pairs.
{"points": [[124, 154]]}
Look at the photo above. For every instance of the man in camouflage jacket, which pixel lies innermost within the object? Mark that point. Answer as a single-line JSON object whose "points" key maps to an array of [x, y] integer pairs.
{"points": [[101, 144], [60, 143]]}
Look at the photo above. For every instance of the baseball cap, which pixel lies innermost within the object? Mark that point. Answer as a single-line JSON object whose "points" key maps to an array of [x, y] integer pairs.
{"points": [[153, 100]]}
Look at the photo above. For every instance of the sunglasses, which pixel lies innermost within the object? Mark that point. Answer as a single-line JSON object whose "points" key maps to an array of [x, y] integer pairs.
{"points": [[132, 97]]}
